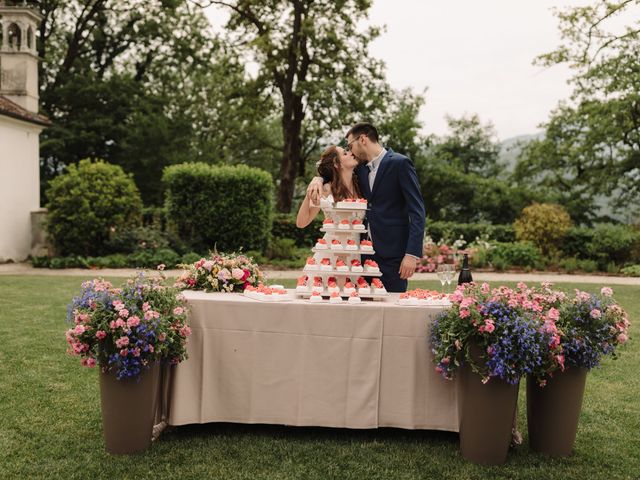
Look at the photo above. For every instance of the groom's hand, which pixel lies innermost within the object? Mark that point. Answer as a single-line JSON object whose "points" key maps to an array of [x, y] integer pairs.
{"points": [[314, 190], [407, 267]]}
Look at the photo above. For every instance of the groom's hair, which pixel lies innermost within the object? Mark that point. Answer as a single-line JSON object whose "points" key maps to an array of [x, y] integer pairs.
{"points": [[364, 129]]}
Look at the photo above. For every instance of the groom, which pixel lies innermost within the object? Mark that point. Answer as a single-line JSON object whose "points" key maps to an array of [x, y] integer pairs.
{"points": [[396, 215]]}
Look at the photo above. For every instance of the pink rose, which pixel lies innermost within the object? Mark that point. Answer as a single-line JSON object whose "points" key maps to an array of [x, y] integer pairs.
{"points": [[466, 302], [606, 291], [124, 313], [133, 321], [489, 326], [120, 323], [178, 311], [595, 313], [464, 313], [124, 352], [622, 338], [79, 329], [122, 342], [145, 306], [101, 334], [237, 273], [485, 288]]}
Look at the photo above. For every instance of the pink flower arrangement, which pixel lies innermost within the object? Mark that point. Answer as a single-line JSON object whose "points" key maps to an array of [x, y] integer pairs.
{"points": [[220, 273], [126, 329]]}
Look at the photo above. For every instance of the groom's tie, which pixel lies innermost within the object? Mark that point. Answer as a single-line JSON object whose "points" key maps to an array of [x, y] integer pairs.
{"points": [[372, 174]]}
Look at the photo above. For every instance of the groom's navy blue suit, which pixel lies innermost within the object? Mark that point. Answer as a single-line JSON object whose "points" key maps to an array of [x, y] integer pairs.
{"points": [[396, 215]]}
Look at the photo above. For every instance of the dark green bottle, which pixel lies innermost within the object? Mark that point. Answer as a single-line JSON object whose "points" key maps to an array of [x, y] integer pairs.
{"points": [[465, 273]]}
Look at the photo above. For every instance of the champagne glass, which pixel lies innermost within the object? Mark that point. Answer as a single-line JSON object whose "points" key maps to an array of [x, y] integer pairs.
{"points": [[441, 273], [451, 272]]}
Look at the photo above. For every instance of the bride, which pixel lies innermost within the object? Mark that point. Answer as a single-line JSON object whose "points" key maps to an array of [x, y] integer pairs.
{"points": [[338, 166]]}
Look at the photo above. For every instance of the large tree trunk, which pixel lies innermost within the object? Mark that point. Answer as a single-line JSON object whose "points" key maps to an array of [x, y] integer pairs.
{"points": [[291, 153]]}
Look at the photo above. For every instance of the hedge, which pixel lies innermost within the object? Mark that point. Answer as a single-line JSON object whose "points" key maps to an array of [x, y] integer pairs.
{"points": [[284, 226], [469, 231], [604, 243], [227, 207]]}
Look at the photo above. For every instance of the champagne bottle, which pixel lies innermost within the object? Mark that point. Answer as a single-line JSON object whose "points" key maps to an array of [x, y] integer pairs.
{"points": [[465, 273]]}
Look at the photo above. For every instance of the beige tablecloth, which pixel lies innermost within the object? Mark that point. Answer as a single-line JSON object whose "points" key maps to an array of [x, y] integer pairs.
{"points": [[298, 363]]}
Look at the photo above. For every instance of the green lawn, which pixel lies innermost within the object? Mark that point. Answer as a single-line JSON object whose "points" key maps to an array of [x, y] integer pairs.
{"points": [[50, 425]]}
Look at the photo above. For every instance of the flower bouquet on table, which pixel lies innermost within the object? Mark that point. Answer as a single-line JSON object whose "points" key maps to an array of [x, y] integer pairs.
{"points": [[128, 332], [221, 272], [493, 341], [581, 330]]}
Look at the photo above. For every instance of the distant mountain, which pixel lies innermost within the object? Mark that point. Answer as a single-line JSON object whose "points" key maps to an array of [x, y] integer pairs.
{"points": [[511, 147]]}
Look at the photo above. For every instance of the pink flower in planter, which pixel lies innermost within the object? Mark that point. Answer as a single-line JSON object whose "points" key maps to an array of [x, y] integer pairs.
{"points": [[622, 338], [485, 288], [101, 334], [606, 291], [133, 321], [124, 352], [178, 311], [124, 313], [595, 313], [79, 329], [464, 313], [122, 342], [560, 360], [145, 306], [489, 326]]}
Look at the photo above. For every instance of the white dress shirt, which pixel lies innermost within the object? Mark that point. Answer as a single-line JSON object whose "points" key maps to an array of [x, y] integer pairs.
{"points": [[373, 167]]}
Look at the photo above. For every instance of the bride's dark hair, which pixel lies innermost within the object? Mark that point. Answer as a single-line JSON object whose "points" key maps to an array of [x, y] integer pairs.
{"points": [[329, 168]]}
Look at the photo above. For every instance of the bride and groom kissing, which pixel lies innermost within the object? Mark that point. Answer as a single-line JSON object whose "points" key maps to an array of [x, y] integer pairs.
{"points": [[388, 180]]}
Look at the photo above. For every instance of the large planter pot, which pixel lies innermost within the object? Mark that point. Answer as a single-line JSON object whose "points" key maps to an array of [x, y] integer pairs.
{"points": [[553, 411], [486, 412], [128, 411]]}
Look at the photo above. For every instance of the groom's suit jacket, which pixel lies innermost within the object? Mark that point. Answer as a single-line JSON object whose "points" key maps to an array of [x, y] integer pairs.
{"points": [[396, 215]]}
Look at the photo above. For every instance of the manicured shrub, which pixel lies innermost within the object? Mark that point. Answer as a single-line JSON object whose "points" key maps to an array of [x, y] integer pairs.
{"points": [[569, 265], [544, 224], [226, 207], [517, 254], [284, 226], [632, 270], [613, 243], [87, 204], [576, 242]]}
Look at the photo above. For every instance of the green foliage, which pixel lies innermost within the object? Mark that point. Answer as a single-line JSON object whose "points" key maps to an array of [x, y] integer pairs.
{"points": [[545, 225], [113, 93], [604, 243], [449, 194], [632, 270], [129, 240], [592, 140], [139, 259], [87, 204], [470, 147], [569, 264], [223, 207], [284, 226], [518, 254], [438, 230]]}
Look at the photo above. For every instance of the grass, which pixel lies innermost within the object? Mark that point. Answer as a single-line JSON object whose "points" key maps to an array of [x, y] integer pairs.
{"points": [[50, 424]]}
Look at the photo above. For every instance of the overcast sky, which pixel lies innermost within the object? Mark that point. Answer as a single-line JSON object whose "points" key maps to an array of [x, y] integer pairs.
{"points": [[473, 56]]}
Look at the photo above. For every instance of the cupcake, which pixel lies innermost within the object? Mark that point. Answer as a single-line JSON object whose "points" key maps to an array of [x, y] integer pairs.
{"points": [[351, 245], [357, 224], [321, 244], [311, 264], [349, 288], [366, 246], [377, 286], [335, 298], [317, 285], [325, 264], [363, 286], [328, 223], [361, 202], [356, 266], [315, 297], [354, 298], [301, 286], [344, 225], [332, 285], [336, 244], [371, 267], [341, 266]]}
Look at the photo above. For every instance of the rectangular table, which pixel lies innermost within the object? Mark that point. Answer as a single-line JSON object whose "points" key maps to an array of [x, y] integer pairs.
{"points": [[305, 364]]}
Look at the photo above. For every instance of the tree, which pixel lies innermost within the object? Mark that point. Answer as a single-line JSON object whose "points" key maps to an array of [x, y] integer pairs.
{"points": [[471, 146], [142, 84], [592, 142], [313, 56]]}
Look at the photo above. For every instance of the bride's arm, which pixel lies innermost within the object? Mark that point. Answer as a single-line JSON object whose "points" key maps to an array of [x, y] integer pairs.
{"points": [[307, 212]]}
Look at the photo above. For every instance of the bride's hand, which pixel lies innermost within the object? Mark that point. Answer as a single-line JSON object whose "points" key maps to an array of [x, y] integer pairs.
{"points": [[314, 190]]}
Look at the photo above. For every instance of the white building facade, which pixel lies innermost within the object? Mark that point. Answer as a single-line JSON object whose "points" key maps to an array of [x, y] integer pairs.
{"points": [[20, 127]]}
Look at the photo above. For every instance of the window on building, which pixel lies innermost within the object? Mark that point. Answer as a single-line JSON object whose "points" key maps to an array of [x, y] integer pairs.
{"points": [[15, 36]]}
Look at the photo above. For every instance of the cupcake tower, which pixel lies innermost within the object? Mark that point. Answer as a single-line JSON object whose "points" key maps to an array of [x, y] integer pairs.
{"points": [[337, 271]]}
